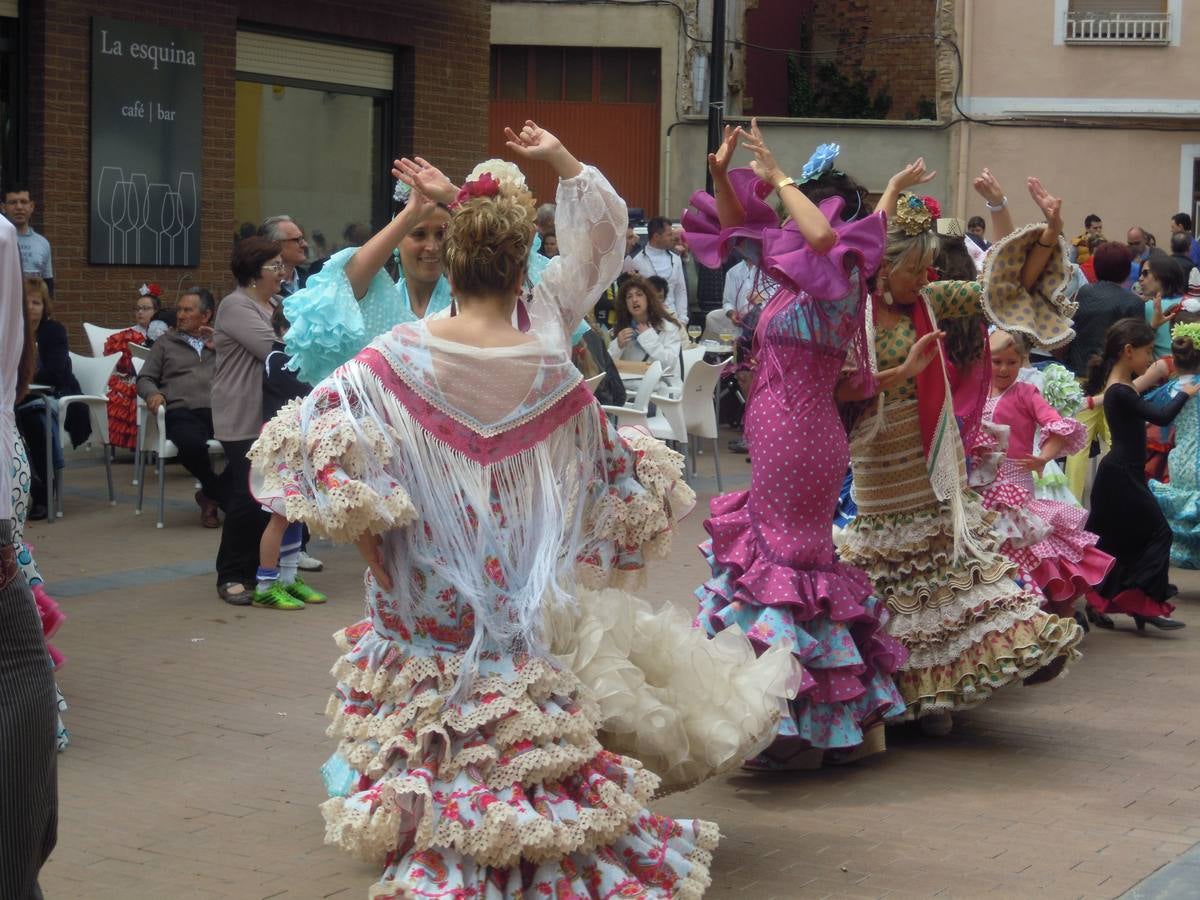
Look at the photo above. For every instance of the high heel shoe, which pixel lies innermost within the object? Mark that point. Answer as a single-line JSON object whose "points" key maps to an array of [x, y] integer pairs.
{"points": [[1163, 623], [1100, 620]]}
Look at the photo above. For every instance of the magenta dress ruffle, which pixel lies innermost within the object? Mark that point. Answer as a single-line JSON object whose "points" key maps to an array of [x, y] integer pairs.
{"points": [[774, 569]]}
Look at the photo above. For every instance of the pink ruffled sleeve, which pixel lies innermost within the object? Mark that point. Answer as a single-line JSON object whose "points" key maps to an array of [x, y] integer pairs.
{"points": [[789, 259], [708, 241], [1053, 424]]}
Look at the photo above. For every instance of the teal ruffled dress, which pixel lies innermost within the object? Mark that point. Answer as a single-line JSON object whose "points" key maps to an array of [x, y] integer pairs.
{"points": [[1180, 499]]}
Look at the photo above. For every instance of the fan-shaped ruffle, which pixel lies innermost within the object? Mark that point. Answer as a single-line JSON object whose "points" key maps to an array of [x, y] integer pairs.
{"points": [[686, 707], [788, 258], [707, 240]]}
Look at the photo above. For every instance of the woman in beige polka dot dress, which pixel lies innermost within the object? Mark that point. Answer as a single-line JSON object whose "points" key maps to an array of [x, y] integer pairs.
{"points": [[970, 620]]}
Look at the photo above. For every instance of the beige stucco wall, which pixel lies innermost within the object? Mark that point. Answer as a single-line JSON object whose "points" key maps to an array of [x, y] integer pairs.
{"points": [[1127, 177], [1014, 56], [871, 153]]}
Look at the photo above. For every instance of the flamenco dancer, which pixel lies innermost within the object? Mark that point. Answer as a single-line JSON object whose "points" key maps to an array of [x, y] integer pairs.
{"points": [[1179, 499], [774, 569], [1044, 538], [1124, 512], [480, 480], [920, 533]]}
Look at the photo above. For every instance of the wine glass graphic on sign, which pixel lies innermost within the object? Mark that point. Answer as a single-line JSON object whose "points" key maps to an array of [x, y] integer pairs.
{"points": [[109, 176], [189, 210], [157, 201], [122, 216], [171, 227], [137, 213]]}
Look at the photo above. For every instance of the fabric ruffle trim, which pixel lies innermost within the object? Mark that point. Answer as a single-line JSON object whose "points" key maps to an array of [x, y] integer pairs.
{"points": [[327, 325], [998, 658]]}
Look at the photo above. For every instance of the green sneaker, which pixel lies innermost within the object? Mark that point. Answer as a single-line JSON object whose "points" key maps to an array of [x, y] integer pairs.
{"points": [[276, 597], [302, 591]]}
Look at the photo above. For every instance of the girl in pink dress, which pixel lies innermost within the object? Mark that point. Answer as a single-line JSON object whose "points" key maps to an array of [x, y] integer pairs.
{"points": [[1045, 538]]}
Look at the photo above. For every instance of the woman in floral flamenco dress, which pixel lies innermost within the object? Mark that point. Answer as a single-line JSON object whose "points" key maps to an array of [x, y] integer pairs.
{"points": [[481, 482], [1045, 538], [921, 534], [775, 573]]}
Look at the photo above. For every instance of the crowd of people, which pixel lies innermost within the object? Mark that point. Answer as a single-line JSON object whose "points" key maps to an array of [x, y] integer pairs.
{"points": [[923, 408]]}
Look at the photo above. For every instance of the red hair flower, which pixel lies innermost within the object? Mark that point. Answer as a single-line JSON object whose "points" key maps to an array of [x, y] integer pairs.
{"points": [[484, 186], [935, 208], [153, 289]]}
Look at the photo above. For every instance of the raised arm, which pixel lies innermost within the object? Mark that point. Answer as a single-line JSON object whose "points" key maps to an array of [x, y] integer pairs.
{"points": [[590, 221], [809, 219], [909, 177], [1155, 415], [370, 258], [993, 195], [729, 207], [1047, 242]]}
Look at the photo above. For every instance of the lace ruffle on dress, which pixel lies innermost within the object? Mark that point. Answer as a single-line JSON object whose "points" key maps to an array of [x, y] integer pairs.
{"points": [[470, 761], [775, 574]]}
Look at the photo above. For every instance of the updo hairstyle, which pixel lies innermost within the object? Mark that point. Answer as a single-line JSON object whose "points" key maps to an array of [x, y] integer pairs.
{"points": [[488, 243], [1185, 348], [839, 184]]}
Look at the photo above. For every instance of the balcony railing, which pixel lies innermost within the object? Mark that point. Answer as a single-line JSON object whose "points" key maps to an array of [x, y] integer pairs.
{"points": [[1118, 28]]}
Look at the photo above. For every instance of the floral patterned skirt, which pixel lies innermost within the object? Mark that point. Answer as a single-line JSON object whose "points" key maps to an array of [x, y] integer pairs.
{"points": [[504, 793]]}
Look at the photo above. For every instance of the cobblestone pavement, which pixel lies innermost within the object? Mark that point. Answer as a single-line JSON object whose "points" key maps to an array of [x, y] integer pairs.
{"points": [[197, 729]]}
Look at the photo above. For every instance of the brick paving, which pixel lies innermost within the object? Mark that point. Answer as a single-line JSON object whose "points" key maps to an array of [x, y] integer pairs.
{"points": [[197, 730]]}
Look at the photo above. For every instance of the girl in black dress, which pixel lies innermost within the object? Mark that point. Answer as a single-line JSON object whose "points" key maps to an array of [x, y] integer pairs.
{"points": [[1124, 512]]}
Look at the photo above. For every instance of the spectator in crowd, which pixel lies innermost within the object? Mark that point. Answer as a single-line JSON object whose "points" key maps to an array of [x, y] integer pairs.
{"points": [[1181, 223], [657, 259], [1101, 305], [243, 337], [632, 249], [1181, 252], [53, 369], [294, 253], [544, 220], [691, 275], [178, 376], [549, 248], [646, 330], [976, 227], [146, 311], [355, 235], [1079, 245], [35, 250], [28, 762], [1139, 246], [1088, 266], [1160, 278]]}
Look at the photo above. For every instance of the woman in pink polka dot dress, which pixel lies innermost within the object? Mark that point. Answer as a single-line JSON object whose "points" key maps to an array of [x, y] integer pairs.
{"points": [[774, 570]]}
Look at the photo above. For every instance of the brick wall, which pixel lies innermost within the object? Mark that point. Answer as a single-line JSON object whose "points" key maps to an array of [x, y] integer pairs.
{"points": [[446, 117], [837, 29]]}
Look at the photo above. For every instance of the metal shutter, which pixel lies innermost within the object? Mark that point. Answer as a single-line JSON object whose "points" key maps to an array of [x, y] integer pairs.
{"points": [[286, 57]]}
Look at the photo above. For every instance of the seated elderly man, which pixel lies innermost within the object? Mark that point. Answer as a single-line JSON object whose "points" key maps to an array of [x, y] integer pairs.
{"points": [[178, 374]]}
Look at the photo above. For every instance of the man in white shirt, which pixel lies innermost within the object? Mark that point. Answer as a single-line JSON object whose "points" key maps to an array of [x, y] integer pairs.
{"points": [[658, 259], [745, 287]]}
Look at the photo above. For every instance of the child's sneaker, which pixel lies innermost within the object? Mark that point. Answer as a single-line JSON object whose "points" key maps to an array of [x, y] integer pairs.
{"points": [[302, 591], [276, 597]]}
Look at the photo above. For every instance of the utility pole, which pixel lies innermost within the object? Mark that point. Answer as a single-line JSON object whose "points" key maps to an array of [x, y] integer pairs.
{"points": [[716, 83]]}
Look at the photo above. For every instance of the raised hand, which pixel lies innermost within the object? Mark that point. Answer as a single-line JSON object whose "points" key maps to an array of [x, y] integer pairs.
{"points": [[425, 177], [1050, 206], [912, 175], [718, 161], [988, 187], [763, 164], [533, 142]]}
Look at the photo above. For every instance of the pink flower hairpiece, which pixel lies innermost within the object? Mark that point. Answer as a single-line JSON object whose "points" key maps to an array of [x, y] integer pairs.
{"points": [[935, 208], [484, 186]]}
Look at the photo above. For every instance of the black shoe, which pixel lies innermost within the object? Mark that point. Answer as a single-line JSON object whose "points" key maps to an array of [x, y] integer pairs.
{"points": [[1163, 623], [1100, 620], [37, 512], [1172, 590], [1083, 622], [240, 597]]}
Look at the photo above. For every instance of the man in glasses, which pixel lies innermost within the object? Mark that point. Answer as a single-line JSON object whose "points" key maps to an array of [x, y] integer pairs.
{"points": [[293, 252], [1135, 239]]}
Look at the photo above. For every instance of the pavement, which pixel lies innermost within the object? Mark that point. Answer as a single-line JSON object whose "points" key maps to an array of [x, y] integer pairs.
{"points": [[197, 730]]}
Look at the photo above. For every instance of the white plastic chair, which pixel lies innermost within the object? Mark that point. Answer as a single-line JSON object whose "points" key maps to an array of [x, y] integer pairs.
{"points": [[636, 411], [689, 358], [139, 352], [592, 383], [693, 414], [97, 336], [93, 374], [152, 437]]}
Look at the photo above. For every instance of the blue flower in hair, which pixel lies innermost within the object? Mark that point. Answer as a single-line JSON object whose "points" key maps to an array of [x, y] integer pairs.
{"points": [[820, 163]]}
